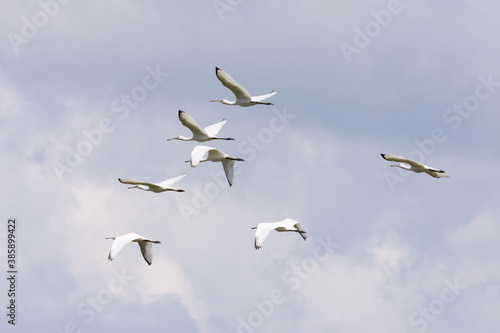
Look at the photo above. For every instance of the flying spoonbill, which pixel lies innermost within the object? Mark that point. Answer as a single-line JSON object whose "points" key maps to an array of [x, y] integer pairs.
{"points": [[263, 230], [154, 187], [214, 155], [414, 166], [243, 97], [144, 243], [200, 134]]}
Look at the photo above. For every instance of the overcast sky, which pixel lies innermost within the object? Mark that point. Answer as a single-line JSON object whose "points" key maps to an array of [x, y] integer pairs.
{"points": [[90, 91]]}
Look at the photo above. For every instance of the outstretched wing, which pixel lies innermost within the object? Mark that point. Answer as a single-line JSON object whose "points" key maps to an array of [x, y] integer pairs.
{"points": [[302, 232], [437, 173], [291, 224], [401, 159], [229, 170], [147, 251], [135, 182], [261, 233], [227, 81], [263, 97], [198, 153], [120, 242], [191, 124], [212, 130], [169, 182]]}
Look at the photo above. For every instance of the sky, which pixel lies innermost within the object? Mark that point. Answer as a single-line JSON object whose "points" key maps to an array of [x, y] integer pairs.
{"points": [[90, 91]]}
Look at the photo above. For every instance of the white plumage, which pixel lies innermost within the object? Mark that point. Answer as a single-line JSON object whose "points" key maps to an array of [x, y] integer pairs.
{"points": [[414, 166], [200, 134], [154, 187], [214, 155], [243, 97], [145, 244], [263, 230]]}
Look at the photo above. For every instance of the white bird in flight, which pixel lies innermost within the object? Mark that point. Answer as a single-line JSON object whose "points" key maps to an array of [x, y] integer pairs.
{"points": [[154, 187], [214, 155], [414, 166], [200, 134], [145, 244], [243, 97], [263, 230]]}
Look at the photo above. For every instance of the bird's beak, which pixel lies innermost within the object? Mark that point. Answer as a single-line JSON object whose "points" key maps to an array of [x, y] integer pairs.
{"points": [[216, 100], [132, 187], [171, 139], [394, 165], [253, 228]]}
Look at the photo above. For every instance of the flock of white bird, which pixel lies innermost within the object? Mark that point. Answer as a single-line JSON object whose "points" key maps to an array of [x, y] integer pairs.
{"points": [[206, 153]]}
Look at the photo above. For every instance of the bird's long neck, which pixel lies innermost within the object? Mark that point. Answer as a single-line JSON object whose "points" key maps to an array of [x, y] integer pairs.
{"points": [[181, 138], [224, 101], [140, 187]]}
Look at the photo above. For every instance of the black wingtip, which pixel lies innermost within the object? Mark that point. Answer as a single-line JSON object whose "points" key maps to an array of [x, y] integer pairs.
{"points": [[216, 69], [180, 111], [383, 156]]}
